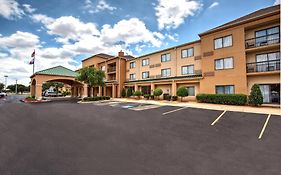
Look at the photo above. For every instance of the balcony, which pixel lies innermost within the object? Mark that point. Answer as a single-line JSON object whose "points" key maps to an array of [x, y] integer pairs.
{"points": [[262, 41], [111, 69], [264, 66]]}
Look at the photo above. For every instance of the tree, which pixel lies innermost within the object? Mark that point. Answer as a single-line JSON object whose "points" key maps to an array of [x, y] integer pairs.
{"points": [[123, 93], [182, 92], [91, 76], [20, 88], [255, 97], [138, 94], [157, 92], [1, 86], [129, 92]]}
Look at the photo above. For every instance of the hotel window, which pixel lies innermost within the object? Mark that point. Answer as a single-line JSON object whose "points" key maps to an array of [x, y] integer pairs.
{"points": [[166, 57], [228, 89], [145, 62], [132, 76], [268, 61], [223, 42], [187, 69], [165, 72], [187, 52], [132, 65], [103, 68], [224, 63], [191, 91], [270, 36], [145, 75]]}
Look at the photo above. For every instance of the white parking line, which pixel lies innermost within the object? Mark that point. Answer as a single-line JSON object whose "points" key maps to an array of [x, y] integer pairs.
{"points": [[174, 110], [214, 122], [264, 126]]}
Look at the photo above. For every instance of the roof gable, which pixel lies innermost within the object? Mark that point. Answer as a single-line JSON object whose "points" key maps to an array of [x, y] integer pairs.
{"points": [[58, 71]]}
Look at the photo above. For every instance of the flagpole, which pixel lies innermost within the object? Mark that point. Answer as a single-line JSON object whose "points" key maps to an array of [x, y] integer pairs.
{"points": [[33, 62]]}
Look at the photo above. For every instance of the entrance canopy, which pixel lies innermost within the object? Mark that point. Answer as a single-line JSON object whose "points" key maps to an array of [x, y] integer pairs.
{"points": [[59, 74]]}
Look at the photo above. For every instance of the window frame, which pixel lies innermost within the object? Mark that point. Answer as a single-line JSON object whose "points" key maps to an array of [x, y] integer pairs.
{"points": [[134, 63], [266, 31], [166, 69], [133, 78], [223, 42], [223, 63], [267, 55], [186, 49], [224, 86], [187, 66], [147, 62], [144, 73], [165, 57]]}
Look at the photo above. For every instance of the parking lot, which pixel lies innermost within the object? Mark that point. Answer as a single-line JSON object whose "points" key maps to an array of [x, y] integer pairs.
{"points": [[112, 137]]}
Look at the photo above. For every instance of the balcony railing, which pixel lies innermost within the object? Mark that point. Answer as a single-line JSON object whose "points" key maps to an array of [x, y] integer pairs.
{"points": [[262, 41], [264, 66], [111, 69]]}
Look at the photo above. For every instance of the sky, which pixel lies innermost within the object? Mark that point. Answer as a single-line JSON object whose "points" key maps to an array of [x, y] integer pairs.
{"points": [[64, 32]]}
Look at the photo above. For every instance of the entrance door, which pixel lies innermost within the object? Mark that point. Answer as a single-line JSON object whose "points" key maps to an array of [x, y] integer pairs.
{"points": [[271, 93]]}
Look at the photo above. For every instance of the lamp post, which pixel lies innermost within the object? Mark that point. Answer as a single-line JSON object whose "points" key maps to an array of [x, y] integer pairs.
{"points": [[6, 76]]}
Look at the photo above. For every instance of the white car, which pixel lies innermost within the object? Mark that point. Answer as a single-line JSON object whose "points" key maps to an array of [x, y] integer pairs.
{"points": [[3, 94]]}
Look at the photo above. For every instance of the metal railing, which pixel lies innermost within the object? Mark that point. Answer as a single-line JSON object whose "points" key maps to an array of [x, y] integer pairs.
{"points": [[264, 66], [262, 41], [111, 69]]}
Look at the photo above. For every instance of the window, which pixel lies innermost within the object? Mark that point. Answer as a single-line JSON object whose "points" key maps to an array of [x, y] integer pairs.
{"points": [[229, 89], [270, 35], [166, 57], [132, 65], [103, 68], [165, 72], [145, 75], [145, 62], [187, 52], [223, 42], [268, 62], [191, 91], [187, 69], [132, 76], [224, 63]]}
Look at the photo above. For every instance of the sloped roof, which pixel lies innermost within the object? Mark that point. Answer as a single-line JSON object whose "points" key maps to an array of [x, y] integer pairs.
{"points": [[59, 71], [102, 55], [251, 16]]}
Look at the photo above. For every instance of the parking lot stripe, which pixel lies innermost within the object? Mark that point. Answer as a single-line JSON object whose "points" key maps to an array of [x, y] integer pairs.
{"points": [[217, 119], [264, 126], [173, 110]]}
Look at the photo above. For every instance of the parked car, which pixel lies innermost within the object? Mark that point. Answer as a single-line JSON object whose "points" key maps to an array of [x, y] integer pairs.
{"points": [[3, 94]]}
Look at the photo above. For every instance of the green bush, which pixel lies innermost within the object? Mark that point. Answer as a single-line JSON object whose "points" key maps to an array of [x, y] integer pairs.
{"points": [[255, 97], [146, 96], [228, 99], [157, 92], [65, 93], [129, 92], [152, 97], [137, 93], [123, 93], [96, 98], [182, 92], [174, 98]]}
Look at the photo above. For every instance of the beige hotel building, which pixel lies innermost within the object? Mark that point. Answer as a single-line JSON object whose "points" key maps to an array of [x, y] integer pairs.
{"points": [[227, 59]]}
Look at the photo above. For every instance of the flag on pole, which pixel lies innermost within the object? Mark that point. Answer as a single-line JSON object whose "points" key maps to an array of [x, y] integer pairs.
{"points": [[31, 61], [33, 54]]}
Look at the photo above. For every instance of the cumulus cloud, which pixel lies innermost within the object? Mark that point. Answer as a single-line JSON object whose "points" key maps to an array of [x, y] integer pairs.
{"points": [[276, 2], [171, 14], [102, 5], [214, 4], [10, 9], [19, 40], [28, 8]]}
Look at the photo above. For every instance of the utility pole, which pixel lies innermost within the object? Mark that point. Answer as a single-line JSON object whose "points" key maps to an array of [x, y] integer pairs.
{"points": [[16, 86], [6, 76]]}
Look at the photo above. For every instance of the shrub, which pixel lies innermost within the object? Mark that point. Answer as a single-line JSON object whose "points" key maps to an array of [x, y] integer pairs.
{"points": [[129, 92], [174, 98], [169, 97], [107, 97], [137, 93], [182, 92], [152, 97], [228, 99], [146, 96], [255, 97], [123, 93], [96, 98], [157, 92]]}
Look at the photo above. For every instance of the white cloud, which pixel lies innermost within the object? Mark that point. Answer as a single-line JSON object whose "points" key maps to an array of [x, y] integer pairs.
{"points": [[19, 40], [214, 4], [28, 8], [42, 18], [171, 14], [276, 2], [10, 9], [102, 5]]}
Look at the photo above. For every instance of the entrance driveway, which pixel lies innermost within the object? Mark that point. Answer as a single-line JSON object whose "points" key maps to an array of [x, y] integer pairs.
{"points": [[61, 138]]}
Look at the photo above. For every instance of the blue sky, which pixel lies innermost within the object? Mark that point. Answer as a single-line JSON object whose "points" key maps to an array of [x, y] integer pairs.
{"points": [[63, 32]]}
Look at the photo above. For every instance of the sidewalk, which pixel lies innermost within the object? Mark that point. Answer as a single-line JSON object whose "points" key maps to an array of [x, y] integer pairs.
{"points": [[249, 109]]}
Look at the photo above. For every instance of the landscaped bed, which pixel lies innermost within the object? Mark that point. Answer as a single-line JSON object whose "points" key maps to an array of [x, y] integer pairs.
{"points": [[34, 100]]}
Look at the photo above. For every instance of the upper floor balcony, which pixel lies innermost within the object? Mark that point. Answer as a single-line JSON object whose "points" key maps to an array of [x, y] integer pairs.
{"points": [[111, 69], [266, 40], [263, 66]]}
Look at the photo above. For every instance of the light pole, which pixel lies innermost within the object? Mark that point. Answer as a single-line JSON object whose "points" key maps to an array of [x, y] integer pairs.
{"points": [[16, 86], [6, 76]]}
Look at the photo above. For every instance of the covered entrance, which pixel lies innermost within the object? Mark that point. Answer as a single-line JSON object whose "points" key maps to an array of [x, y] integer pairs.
{"points": [[58, 74]]}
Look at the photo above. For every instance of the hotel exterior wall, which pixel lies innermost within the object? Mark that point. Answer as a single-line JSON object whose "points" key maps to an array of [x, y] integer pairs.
{"points": [[95, 60], [263, 79], [237, 75]]}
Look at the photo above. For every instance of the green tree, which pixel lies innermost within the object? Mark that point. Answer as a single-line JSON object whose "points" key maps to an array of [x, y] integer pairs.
{"points": [[91, 76], [123, 93], [182, 92], [12, 87], [255, 97], [138, 94], [1, 86], [129, 92], [157, 92]]}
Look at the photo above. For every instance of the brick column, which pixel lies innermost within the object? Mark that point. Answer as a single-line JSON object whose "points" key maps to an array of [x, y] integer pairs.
{"points": [[174, 89]]}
